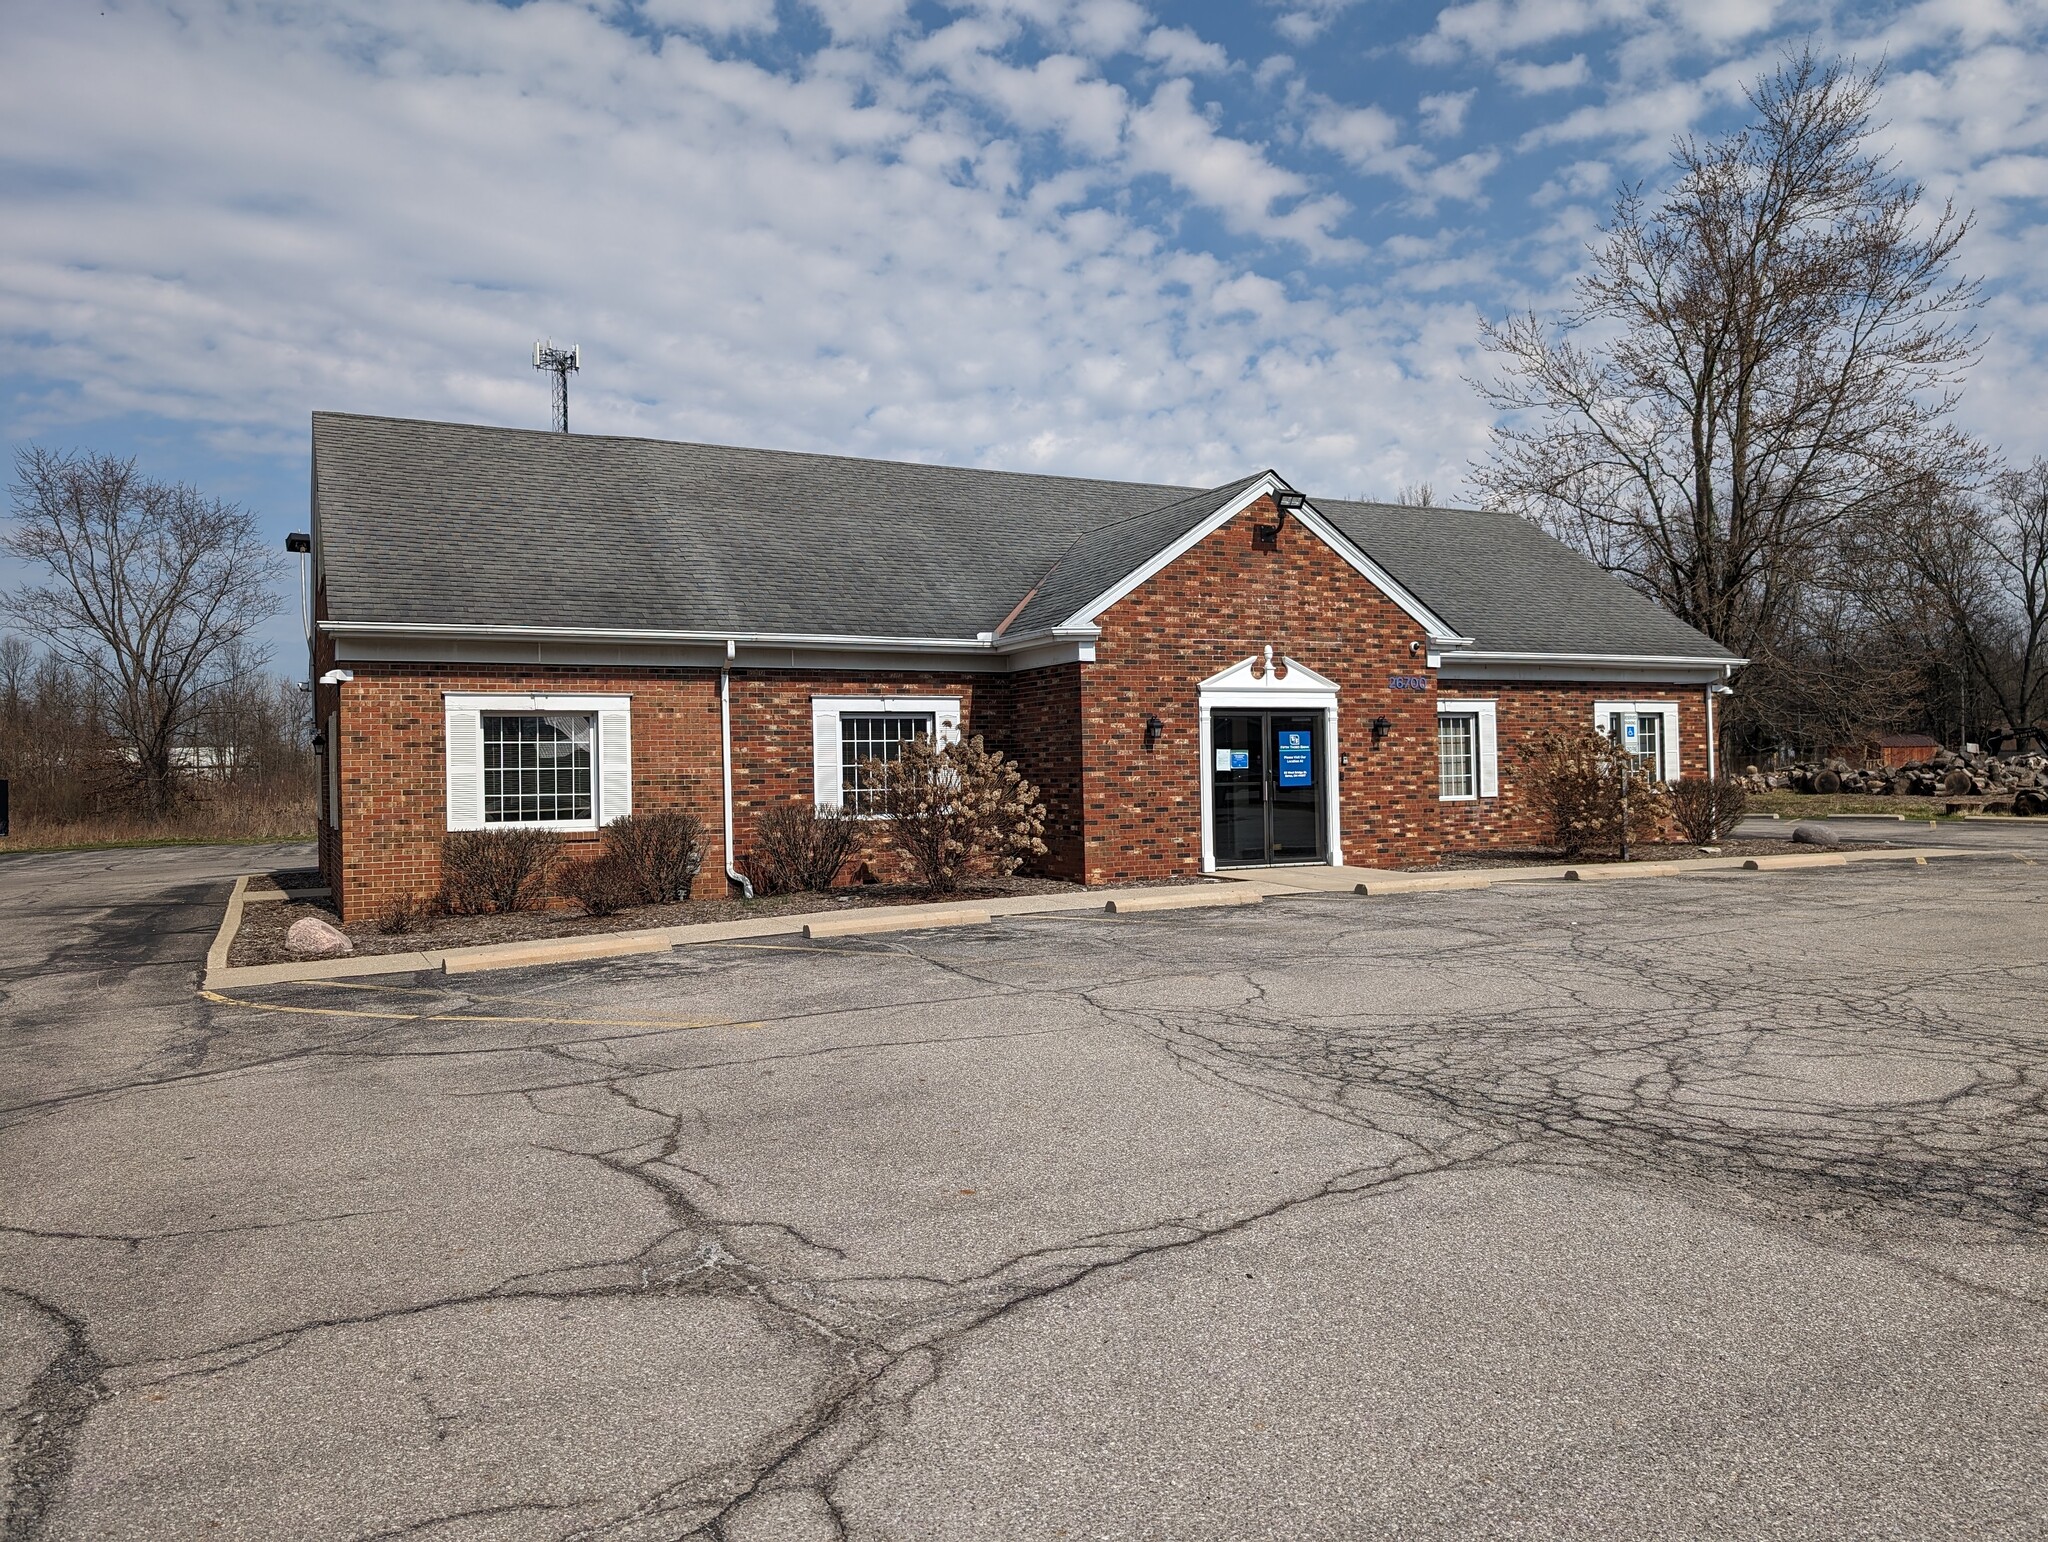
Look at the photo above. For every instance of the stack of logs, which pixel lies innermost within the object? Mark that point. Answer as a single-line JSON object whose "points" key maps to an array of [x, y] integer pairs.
{"points": [[1995, 782]]}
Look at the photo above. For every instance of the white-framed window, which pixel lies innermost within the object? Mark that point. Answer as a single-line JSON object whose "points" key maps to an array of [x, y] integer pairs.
{"points": [[847, 730], [550, 762], [1457, 755], [539, 769], [1467, 750], [872, 736], [1657, 754]]}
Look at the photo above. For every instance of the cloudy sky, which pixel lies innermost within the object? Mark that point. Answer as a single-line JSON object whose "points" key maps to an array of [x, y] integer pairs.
{"points": [[1175, 243]]}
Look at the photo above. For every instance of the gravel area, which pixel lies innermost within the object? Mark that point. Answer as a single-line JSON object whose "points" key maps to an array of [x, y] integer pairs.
{"points": [[1464, 861]]}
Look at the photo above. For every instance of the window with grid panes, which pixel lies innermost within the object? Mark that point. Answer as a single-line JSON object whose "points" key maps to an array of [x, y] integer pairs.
{"points": [[1649, 742], [865, 736], [1457, 755], [537, 769]]}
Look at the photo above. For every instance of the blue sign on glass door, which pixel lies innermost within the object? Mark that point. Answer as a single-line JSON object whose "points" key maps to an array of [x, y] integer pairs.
{"points": [[1297, 758]]}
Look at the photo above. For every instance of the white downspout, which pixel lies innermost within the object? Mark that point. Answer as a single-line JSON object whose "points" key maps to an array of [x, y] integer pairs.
{"points": [[732, 871], [1712, 737]]}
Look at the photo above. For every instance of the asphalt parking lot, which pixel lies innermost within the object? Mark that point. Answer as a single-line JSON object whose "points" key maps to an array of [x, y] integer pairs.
{"points": [[1701, 1207]]}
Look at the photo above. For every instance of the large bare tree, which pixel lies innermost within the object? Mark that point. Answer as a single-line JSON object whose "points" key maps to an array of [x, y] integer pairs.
{"points": [[1759, 356], [152, 591]]}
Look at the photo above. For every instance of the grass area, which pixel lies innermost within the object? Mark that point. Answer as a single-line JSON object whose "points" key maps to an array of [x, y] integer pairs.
{"points": [[1818, 805], [13, 848], [229, 819]]}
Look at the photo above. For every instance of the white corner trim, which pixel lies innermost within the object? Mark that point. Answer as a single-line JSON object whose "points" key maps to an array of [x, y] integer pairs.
{"points": [[1486, 752], [1439, 630], [1302, 691], [826, 711]]}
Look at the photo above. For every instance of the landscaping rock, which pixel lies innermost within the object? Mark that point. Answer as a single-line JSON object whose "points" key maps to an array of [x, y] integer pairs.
{"points": [[1816, 835], [317, 938]]}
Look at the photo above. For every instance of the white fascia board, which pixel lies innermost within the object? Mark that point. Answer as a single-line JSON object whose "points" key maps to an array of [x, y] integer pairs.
{"points": [[1480, 664], [1441, 634], [1087, 614], [1438, 630], [626, 634]]}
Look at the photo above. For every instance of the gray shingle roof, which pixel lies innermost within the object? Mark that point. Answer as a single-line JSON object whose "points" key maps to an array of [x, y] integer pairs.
{"points": [[457, 525]]}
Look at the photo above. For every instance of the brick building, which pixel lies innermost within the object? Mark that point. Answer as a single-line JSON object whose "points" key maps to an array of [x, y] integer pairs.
{"points": [[518, 627]]}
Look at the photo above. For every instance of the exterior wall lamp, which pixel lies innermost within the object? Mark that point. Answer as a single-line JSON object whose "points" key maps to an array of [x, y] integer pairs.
{"points": [[1287, 501], [1155, 725], [1381, 727]]}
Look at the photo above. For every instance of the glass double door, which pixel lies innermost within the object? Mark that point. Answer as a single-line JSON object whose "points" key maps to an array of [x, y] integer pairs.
{"points": [[1266, 787]]}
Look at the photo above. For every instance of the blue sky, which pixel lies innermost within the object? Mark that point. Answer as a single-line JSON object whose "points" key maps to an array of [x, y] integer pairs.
{"points": [[1176, 242]]}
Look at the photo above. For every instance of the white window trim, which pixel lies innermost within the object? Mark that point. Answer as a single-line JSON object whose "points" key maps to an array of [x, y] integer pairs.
{"points": [[1485, 749], [611, 753], [826, 711], [1674, 765]]}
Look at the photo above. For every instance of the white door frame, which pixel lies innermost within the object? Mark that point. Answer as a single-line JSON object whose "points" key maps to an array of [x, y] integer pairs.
{"points": [[1303, 690]]}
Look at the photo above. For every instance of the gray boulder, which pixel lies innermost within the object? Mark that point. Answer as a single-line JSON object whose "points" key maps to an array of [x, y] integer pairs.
{"points": [[1816, 835], [317, 938]]}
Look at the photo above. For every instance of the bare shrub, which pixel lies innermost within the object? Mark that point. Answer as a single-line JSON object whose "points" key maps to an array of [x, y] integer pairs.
{"points": [[504, 870], [1708, 808], [405, 913], [1573, 780], [661, 852], [603, 886], [957, 811], [801, 849]]}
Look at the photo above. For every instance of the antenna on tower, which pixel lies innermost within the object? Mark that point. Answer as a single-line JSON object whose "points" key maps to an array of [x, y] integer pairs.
{"points": [[559, 362]]}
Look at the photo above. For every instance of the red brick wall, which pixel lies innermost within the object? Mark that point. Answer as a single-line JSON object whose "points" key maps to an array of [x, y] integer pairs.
{"points": [[1221, 602], [1035, 719], [1527, 714], [393, 750]]}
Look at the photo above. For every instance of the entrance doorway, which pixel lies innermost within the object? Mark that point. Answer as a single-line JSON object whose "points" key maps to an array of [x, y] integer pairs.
{"points": [[1266, 787]]}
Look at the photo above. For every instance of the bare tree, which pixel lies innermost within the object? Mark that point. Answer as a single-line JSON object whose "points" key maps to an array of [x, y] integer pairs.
{"points": [[154, 590], [1417, 495], [1766, 354], [1983, 565]]}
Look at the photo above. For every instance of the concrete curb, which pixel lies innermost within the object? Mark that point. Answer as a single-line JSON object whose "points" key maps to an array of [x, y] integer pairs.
{"points": [[864, 923], [1181, 899], [903, 918]]}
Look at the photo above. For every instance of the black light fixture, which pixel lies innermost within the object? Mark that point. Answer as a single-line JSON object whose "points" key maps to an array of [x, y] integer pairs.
{"points": [[298, 541], [1288, 501], [1381, 727], [1155, 725]]}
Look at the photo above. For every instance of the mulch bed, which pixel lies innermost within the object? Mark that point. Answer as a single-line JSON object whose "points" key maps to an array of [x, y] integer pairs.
{"points": [[1464, 860], [261, 938]]}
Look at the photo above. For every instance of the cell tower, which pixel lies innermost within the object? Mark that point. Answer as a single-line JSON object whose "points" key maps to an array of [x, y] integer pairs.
{"points": [[559, 362]]}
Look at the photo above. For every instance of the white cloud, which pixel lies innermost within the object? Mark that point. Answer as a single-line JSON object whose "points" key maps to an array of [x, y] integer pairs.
{"points": [[1183, 52], [1535, 79], [1443, 114], [718, 17]]}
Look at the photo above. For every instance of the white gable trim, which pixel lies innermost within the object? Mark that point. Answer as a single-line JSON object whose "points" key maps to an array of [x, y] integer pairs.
{"points": [[1440, 632]]}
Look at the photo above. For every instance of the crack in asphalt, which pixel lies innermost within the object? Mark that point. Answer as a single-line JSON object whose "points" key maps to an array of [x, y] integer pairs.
{"points": [[1611, 1060]]}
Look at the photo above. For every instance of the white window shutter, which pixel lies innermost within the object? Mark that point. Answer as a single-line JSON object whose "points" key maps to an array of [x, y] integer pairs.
{"points": [[1489, 751], [465, 756], [614, 765], [1669, 711], [825, 754]]}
